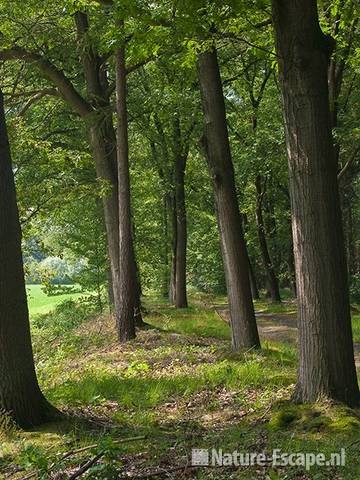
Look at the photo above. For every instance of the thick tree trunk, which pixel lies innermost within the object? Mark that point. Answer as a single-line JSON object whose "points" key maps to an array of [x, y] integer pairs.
{"points": [[272, 281], [127, 276], [181, 232], [217, 148], [20, 395], [327, 367], [180, 282]]}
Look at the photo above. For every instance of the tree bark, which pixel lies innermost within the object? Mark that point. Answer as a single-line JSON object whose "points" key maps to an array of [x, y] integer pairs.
{"points": [[174, 237], [253, 284], [327, 367], [291, 267], [127, 276], [20, 395], [180, 158], [166, 209], [272, 281], [103, 143], [217, 148], [104, 146], [165, 284], [180, 282]]}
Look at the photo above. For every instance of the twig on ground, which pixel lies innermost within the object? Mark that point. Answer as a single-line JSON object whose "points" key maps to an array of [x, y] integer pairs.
{"points": [[86, 466], [80, 450], [94, 445]]}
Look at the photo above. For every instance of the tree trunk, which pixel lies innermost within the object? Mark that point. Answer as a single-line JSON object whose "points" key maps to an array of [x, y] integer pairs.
{"points": [[127, 274], [180, 158], [180, 282], [166, 209], [217, 148], [272, 281], [165, 230], [172, 286], [327, 367], [350, 242], [20, 395], [139, 322], [103, 142], [253, 284], [110, 290], [104, 147], [252, 277], [291, 267]]}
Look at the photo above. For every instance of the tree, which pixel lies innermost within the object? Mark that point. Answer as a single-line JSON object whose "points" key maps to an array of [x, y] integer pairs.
{"points": [[327, 367], [20, 395], [127, 276], [181, 155], [94, 107], [217, 149]]}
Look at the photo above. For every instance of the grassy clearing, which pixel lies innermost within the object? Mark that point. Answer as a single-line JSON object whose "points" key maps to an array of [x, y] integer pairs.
{"points": [[179, 385], [40, 303]]}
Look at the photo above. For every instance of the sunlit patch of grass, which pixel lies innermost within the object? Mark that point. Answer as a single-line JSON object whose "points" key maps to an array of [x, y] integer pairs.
{"points": [[40, 303], [194, 321], [264, 306]]}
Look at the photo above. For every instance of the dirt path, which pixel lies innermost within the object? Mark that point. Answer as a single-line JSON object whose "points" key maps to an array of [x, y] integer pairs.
{"points": [[277, 327]]}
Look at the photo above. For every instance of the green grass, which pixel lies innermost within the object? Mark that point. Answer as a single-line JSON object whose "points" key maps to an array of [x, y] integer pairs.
{"points": [[40, 303], [177, 383], [356, 328], [288, 306]]}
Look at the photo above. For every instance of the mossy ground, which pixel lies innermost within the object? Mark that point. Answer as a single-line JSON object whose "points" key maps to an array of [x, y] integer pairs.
{"points": [[179, 386]]}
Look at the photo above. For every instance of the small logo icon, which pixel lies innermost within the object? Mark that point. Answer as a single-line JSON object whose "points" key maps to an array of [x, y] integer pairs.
{"points": [[200, 457]]}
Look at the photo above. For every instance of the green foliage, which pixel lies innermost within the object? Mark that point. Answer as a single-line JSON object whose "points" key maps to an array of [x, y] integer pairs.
{"points": [[66, 316], [34, 457]]}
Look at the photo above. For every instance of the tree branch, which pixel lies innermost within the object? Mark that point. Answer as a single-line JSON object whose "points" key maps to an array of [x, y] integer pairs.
{"points": [[348, 164], [35, 98], [52, 73]]}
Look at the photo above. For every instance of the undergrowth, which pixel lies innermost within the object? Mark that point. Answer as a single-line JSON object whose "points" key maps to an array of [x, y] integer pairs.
{"points": [[176, 387]]}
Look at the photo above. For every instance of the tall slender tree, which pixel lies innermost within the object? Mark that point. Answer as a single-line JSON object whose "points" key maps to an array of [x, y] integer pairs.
{"points": [[217, 148], [327, 367], [20, 395], [127, 272]]}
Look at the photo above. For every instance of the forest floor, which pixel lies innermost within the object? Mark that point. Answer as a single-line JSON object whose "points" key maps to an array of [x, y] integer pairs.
{"points": [[137, 411], [278, 323]]}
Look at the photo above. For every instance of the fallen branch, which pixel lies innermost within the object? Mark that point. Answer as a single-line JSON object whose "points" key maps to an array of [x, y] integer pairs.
{"points": [[80, 450], [86, 466], [94, 445]]}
